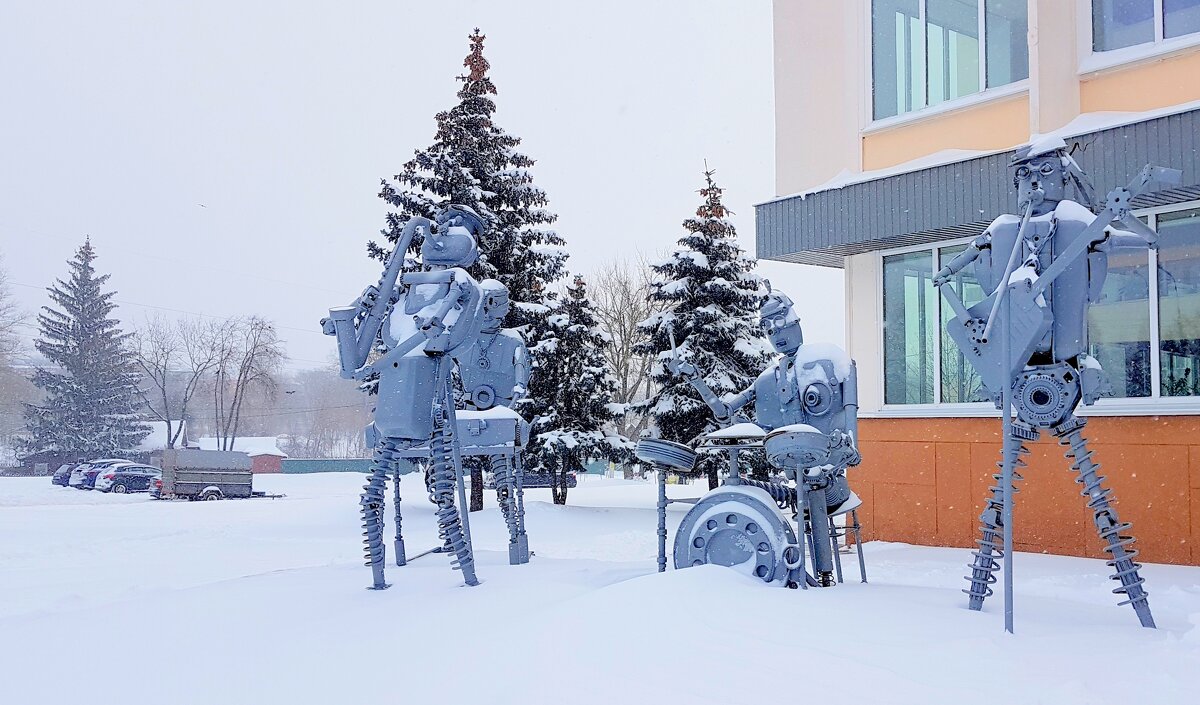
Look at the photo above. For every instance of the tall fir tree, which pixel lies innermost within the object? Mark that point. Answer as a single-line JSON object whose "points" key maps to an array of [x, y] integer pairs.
{"points": [[570, 403], [91, 403], [713, 297], [474, 162]]}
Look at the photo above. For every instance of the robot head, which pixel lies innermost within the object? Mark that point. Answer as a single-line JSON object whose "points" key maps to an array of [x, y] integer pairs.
{"points": [[454, 244], [1040, 175], [780, 322], [495, 304]]}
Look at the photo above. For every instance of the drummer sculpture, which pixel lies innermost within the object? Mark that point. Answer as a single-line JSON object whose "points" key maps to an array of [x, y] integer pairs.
{"points": [[1028, 341], [422, 319], [495, 374], [806, 404]]}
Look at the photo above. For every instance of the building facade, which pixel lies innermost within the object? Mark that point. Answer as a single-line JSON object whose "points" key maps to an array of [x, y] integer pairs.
{"points": [[895, 121]]}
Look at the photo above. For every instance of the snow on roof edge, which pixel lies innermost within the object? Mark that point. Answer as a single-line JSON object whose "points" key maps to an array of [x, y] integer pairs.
{"points": [[1083, 124]]}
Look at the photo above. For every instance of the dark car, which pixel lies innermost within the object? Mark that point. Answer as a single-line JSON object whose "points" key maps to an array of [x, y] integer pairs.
{"points": [[121, 479], [63, 474]]}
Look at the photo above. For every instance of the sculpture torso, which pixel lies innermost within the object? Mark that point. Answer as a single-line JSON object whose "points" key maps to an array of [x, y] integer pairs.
{"points": [[1068, 296], [491, 368], [805, 387]]}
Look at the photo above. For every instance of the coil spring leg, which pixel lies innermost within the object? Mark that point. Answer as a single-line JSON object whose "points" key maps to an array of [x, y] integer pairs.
{"points": [[519, 508], [783, 495], [505, 496], [449, 522], [1108, 524], [835, 533], [991, 546], [372, 503], [662, 518]]}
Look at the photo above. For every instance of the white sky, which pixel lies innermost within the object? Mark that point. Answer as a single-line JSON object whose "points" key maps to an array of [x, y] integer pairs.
{"points": [[225, 156]]}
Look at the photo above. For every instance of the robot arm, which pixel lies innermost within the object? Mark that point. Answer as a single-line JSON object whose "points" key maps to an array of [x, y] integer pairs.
{"points": [[355, 341], [721, 411], [964, 258], [521, 366], [850, 409]]}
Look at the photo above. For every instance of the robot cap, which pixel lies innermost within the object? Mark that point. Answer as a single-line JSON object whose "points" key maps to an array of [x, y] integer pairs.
{"points": [[1039, 148], [464, 216], [775, 304]]}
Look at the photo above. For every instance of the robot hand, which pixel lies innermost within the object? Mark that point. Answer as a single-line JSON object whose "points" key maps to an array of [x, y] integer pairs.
{"points": [[368, 298], [327, 326], [684, 369], [942, 277], [841, 445], [431, 326]]}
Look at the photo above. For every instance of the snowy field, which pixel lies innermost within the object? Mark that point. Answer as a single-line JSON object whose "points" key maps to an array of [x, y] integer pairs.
{"points": [[122, 599]]}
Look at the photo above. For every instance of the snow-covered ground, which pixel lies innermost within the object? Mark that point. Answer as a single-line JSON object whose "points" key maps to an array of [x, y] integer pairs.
{"points": [[121, 599]]}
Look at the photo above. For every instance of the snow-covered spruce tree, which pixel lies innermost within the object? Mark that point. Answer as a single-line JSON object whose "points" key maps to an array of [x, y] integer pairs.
{"points": [[91, 389], [475, 163], [570, 402], [713, 294]]}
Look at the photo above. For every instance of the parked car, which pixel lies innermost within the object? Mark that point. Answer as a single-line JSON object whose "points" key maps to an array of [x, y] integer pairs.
{"points": [[62, 475], [121, 479], [83, 477]]}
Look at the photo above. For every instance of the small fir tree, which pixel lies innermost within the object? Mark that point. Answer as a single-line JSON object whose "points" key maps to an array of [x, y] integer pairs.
{"points": [[713, 295], [91, 389], [570, 403]]}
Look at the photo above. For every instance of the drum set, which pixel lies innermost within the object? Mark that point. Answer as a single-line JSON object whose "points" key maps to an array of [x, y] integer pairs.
{"points": [[752, 525]]}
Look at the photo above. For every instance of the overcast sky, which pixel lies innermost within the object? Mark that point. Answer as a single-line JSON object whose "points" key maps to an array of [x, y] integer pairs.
{"points": [[225, 157]]}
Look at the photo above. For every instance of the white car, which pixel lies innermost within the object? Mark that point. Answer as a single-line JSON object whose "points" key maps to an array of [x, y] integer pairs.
{"points": [[79, 474]]}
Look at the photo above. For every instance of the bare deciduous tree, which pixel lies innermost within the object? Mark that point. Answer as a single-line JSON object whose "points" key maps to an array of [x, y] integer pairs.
{"points": [[621, 299], [249, 355], [175, 357], [10, 319]]}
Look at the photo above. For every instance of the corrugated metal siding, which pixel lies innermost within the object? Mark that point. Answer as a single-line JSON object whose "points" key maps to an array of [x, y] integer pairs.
{"points": [[960, 199]]}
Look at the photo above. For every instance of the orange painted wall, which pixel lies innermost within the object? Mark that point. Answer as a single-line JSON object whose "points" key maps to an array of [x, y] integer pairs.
{"points": [[924, 481], [995, 125], [1147, 86]]}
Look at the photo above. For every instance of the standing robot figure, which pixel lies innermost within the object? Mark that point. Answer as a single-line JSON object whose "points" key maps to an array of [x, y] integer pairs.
{"points": [[422, 319], [1028, 341], [495, 375], [807, 402]]}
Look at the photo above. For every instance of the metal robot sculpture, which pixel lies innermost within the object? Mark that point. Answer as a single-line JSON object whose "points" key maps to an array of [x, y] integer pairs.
{"points": [[1028, 342], [494, 372], [806, 419], [421, 318]]}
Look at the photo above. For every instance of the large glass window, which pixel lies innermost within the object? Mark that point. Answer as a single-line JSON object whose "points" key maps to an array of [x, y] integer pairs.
{"points": [[1144, 330], [1179, 303], [1006, 25], [1180, 17], [1119, 324], [925, 52], [1117, 24], [910, 315]]}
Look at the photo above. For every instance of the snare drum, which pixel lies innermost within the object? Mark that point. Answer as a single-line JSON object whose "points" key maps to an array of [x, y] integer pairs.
{"points": [[796, 446], [675, 456]]}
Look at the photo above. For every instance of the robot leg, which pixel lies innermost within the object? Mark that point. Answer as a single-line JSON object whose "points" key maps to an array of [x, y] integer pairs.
{"points": [[373, 503], [1108, 524], [991, 542]]}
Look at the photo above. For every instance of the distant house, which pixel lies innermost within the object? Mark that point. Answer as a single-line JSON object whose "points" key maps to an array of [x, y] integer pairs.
{"points": [[265, 456], [156, 441]]}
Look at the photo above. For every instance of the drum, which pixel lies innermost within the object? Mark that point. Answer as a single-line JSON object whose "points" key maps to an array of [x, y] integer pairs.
{"points": [[796, 446], [738, 527], [675, 456]]}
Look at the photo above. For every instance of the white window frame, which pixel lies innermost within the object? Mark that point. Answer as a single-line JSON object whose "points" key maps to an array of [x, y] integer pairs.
{"points": [[985, 95], [1136, 406], [1095, 61]]}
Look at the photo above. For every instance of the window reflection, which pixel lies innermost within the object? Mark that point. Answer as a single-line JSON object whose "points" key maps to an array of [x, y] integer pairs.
{"points": [[909, 317], [1119, 324], [1179, 302]]}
